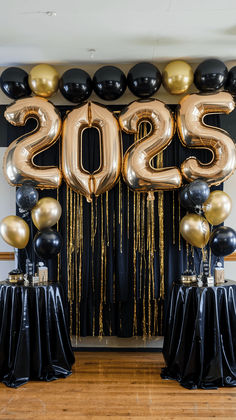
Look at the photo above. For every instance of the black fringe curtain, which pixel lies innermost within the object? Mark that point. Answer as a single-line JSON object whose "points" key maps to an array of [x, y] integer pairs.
{"points": [[121, 253]]}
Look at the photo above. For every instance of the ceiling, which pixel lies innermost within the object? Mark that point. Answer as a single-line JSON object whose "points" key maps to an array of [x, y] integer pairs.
{"points": [[121, 31]]}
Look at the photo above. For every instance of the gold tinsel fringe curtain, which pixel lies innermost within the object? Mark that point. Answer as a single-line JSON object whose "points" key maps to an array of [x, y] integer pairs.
{"points": [[115, 260]]}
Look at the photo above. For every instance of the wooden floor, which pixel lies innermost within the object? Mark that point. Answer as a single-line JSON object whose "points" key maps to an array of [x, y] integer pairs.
{"points": [[115, 386]]}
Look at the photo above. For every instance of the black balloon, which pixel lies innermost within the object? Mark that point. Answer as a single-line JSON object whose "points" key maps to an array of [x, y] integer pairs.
{"points": [[14, 83], [109, 83], [47, 243], [144, 79], [198, 192], [26, 196], [223, 241], [231, 81], [184, 198], [210, 75], [76, 85]]}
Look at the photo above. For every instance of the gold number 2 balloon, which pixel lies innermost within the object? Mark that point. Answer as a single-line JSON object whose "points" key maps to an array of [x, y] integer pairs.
{"points": [[137, 170], [105, 177], [18, 164], [194, 133]]}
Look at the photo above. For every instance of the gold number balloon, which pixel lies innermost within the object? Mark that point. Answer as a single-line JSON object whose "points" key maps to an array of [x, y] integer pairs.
{"points": [[195, 230], [15, 231], [105, 177], [194, 133], [137, 170], [18, 164], [46, 213]]}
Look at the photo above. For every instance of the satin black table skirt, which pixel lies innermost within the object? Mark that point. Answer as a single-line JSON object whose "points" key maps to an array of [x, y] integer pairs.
{"points": [[34, 341], [200, 340]]}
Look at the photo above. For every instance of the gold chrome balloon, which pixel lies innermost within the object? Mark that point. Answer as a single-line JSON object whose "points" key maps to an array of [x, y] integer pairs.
{"points": [[177, 77], [137, 170], [217, 207], [105, 177], [18, 163], [194, 133], [43, 80], [46, 213], [15, 231], [195, 230]]}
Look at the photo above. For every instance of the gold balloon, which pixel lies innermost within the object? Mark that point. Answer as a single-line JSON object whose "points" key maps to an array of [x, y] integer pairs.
{"points": [[18, 163], [177, 77], [46, 213], [217, 207], [195, 230], [43, 80], [105, 177], [15, 231], [137, 170], [194, 133]]}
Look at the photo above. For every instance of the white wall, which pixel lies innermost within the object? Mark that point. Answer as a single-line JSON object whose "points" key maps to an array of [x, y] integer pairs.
{"points": [[229, 188], [7, 193], [7, 208]]}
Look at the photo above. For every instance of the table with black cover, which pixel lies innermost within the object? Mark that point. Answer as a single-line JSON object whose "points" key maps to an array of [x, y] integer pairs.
{"points": [[200, 339], [34, 340]]}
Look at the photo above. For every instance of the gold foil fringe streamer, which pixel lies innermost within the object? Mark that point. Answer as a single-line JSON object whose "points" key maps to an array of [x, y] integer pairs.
{"points": [[173, 232], [102, 272]]}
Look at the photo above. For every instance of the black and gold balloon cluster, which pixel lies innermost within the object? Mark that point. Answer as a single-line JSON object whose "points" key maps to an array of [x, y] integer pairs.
{"points": [[109, 82]]}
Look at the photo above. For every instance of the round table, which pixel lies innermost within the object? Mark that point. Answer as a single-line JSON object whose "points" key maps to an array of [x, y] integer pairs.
{"points": [[200, 336], [34, 340]]}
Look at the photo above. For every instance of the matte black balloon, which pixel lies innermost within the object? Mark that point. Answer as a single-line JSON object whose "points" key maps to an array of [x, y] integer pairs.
{"points": [[109, 83], [223, 241], [14, 83], [184, 198], [231, 81], [198, 192], [210, 75], [76, 85], [26, 196], [144, 79], [47, 243]]}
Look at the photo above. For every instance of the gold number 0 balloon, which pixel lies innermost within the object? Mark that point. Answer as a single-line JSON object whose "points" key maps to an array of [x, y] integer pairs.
{"points": [[137, 170], [105, 177], [194, 133], [18, 165]]}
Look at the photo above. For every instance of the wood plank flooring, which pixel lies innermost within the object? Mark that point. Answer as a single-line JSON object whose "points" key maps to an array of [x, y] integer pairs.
{"points": [[116, 386]]}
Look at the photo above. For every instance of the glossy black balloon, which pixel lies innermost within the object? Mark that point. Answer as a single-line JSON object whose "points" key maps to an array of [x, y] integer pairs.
{"points": [[109, 83], [223, 241], [231, 81], [76, 85], [47, 243], [198, 192], [144, 79], [27, 196], [14, 83], [184, 198], [210, 75]]}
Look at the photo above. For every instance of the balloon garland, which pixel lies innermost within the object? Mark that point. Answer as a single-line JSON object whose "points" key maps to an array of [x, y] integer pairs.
{"points": [[109, 82]]}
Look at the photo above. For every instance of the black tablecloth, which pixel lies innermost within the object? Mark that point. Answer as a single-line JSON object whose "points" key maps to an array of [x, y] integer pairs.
{"points": [[34, 341], [200, 340]]}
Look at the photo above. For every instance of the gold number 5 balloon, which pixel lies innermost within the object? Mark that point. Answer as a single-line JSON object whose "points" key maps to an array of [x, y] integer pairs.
{"points": [[18, 164], [194, 133], [137, 170], [105, 177]]}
